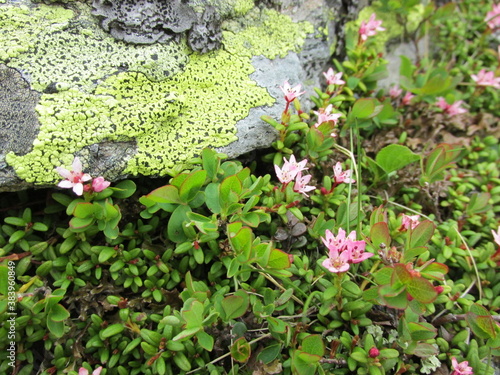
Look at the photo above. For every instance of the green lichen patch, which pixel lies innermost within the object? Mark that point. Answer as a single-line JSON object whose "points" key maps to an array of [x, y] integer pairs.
{"points": [[267, 33], [47, 43], [170, 117]]}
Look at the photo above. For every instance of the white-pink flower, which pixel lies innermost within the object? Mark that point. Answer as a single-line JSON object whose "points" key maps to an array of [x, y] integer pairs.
{"points": [[451, 109], [291, 93], [290, 169], [99, 184], [84, 371], [493, 17], [333, 78], [407, 98], [395, 92], [301, 182], [326, 115], [75, 178], [485, 78], [496, 236], [337, 261], [370, 28], [340, 176], [410, 221], [337, 242], [461, 368]]}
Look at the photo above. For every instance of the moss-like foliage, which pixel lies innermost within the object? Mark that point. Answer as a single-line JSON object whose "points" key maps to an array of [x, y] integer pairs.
{"points": [[171, 102]]}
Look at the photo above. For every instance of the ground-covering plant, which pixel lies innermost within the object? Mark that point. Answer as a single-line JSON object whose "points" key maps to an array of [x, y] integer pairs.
{"points": [[365, 241]]}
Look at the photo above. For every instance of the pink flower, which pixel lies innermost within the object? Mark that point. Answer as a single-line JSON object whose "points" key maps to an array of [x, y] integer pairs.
{"points": [[337, 262], [395, 92], [75, 178], [291, 93], [342, 176], [290, 169], [493, 17], [357, 250], [451, 109], [326, 115], [301, 182], [410, 222], [84, 371], [99, 184], [370, 28], [496, 236], [407, 98], [461, 368], [484, 78], [337, 242], [333, 78]]}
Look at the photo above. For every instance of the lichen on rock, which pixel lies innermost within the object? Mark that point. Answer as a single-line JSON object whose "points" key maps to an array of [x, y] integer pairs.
{"points": [[167, 101]]}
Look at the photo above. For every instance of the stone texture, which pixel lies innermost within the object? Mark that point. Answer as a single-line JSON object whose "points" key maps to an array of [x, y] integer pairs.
{"points": [[84, 89]]}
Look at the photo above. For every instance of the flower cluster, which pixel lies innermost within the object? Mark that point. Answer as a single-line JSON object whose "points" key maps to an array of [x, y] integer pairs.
{"points": [[450, 109], [343, 251], [370, 28], [291, 170], [75, 179], [484, 78]]}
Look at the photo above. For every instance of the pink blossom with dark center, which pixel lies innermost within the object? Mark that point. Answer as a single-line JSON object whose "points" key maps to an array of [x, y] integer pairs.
{"points": [[410, 221], [395, 92], [84, 371], [290, 169], [74, 178], [451, 109], [301, 182], [340, 176], [291, 93], [326, 115], [496, 236], [333, 78]]}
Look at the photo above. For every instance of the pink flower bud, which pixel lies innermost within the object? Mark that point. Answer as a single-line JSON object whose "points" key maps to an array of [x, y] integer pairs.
{"points": [[374, 352], [99, 184]]}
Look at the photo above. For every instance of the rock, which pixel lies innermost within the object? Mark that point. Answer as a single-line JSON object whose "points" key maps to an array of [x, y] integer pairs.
{"points": [[95, 82]]}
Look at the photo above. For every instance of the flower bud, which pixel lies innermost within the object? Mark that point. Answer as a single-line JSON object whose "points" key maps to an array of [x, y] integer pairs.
{"points": [[373, 352]]}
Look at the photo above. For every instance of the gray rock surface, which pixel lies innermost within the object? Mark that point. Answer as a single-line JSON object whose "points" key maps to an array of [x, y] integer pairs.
{"points": [[65, 93]]}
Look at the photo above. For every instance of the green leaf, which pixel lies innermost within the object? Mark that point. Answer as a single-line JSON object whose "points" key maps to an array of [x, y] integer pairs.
{"points": [[213, 197], [363, 108], [56, 328], [58, 313], [240, 350], [478, 204], [176, 222], [106, 253], [191, 185], [278, 259], [84, 210], [113, 329], [481, 322], [313, 344], [379, 233], [269, 353], [165, 194], [422, 290], [425, 350], [124, 189], [210, 162], [421, 234], [399, 301], [421, 331], [394, 157], [205, 340], [236, 305], [193, 314]]}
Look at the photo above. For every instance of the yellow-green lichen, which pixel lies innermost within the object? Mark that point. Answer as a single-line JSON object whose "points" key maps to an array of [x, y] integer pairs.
{"points": [[170, 119]]}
